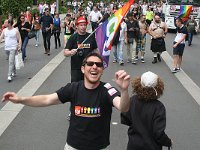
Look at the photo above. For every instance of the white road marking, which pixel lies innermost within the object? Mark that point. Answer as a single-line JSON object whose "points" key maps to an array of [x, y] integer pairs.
{"points": [[10, 110], [114, 123], [184, 79]]}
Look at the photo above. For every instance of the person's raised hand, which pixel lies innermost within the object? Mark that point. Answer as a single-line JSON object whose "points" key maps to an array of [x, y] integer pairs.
{"points": [[122, 79]]}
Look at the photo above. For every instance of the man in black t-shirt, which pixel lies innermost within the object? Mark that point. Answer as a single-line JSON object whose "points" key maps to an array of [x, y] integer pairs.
{"points": [[132, 35], [47, 26], [78, 50], [179, 45], [91, 104]]}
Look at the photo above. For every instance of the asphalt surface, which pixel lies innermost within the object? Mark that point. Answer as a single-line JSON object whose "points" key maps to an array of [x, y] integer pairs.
{"points": [[46, 128]]}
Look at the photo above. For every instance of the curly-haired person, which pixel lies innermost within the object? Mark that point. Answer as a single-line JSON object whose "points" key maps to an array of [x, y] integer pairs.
{"points": [[146, 117]]}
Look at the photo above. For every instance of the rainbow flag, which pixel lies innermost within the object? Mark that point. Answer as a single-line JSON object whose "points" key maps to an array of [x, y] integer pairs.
{"points": [[106, 31], [185, 11]]}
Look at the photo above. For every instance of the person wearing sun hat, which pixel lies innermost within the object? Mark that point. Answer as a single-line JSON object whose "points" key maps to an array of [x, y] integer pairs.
{"points": [[146, 117]]}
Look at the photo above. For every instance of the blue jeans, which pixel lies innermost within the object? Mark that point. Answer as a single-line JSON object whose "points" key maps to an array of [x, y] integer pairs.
{"points": [[37, 32], [24, 44], [190, 37], [118, 51]]}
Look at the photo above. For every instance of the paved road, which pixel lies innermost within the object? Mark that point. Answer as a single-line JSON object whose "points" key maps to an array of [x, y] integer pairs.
{"points": [[36, 59], [45, 128]]}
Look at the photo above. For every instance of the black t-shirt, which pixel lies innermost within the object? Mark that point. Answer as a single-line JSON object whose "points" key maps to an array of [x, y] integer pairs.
{"points": [[91, 111], [147, 122], [74, 41], [23, 33], [182, 30], [46, 21], [135, 25]]}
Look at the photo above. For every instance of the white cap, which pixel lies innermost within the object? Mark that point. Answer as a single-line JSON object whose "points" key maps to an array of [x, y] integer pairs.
{"points": [[149, 79]]}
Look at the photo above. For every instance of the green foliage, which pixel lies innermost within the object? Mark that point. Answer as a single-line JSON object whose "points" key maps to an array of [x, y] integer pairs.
{"points": [[62, 10], [35, 10], [15, 6], [47, 1]]}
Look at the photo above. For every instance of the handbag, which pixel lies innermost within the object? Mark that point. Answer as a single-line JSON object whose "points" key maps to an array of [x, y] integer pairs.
{"points": [[31, 34], [37, 26], [18, 60]]}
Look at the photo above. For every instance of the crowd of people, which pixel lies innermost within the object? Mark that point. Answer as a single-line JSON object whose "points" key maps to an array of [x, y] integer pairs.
{"points": [[147, 130]]}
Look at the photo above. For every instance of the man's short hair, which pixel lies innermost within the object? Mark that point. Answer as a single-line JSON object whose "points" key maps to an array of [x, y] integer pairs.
{"points": [[158, 14], [180, 20], [129, 14], [95, 54], [46, 9]]}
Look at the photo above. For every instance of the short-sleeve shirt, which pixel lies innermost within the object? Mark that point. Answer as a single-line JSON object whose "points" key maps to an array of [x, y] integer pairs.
{"points": [[95, 16], [74, 42], [180, 33], [46, 22], [23, 33], [90, 114]]}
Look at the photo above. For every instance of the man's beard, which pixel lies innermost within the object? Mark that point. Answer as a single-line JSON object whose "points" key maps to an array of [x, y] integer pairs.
{"points": [[157, 21]]}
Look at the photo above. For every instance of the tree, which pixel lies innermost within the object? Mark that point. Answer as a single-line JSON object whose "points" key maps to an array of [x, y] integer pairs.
{"points": [[15, 6]]}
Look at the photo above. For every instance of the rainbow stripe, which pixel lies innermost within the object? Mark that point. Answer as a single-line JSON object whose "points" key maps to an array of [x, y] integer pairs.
{"points": [[185, 11], [106, 31]]}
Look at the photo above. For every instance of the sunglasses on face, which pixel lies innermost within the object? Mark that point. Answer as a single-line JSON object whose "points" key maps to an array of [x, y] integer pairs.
{"points": [[22, 18], [91, 63]]}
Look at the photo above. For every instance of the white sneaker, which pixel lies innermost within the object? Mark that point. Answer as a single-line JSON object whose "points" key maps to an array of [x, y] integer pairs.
{"points": [[13, 74], [9, 79], [36, 45]]}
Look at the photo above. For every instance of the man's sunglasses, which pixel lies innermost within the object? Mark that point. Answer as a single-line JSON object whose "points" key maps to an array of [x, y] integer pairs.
{"points": [[91, 63]]}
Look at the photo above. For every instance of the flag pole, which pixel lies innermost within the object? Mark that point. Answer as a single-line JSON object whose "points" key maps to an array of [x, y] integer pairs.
{"points": [[88, 37]]}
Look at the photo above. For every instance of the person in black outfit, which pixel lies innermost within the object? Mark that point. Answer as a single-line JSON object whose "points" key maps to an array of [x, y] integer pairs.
{"points": [[92, 102], [146, 117], [77, 55], [47, 26], [132, 35], [24, 28]]}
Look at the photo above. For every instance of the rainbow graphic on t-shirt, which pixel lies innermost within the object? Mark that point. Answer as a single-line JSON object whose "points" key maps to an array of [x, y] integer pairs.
{"points": [[82, 111]]}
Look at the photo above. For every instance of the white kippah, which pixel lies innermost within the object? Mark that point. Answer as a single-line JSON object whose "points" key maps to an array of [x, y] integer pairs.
{"points": [[149, 79]]}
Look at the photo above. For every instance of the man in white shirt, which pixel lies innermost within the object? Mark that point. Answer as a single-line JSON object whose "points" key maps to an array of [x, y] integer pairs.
{"points": [[53, 8], [13, 44], [95, 18], [41, 8], [144, 8]]}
